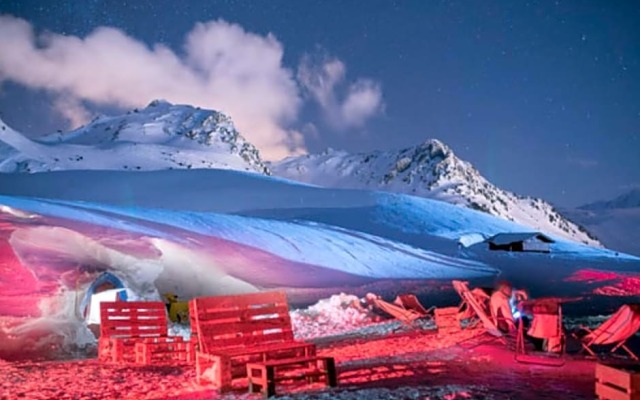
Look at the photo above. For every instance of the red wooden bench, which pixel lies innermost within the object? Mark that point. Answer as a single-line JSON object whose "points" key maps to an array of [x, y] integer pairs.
{"points": [[263, 376], [231, 331], [136, 331]]}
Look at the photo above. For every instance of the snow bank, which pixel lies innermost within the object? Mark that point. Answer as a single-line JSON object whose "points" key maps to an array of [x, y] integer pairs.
{"points": [[333, 316]]}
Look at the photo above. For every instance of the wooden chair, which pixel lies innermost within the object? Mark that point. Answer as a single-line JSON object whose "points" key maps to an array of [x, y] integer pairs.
{"points": [[411, 302], [615, 331], [478, 311], [402, 314], [546, 324]]}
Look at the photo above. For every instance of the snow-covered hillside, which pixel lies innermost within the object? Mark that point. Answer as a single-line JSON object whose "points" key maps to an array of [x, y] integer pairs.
{"points": [[424, 223], [430, 170], [615, 222], [207, 231], [160, 136]]}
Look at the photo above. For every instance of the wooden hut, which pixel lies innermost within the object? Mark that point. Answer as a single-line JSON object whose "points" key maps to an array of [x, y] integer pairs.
{"points": [[523, 242]]}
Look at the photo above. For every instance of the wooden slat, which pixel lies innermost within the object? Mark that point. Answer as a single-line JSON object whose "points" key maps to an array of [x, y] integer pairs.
{"points": [[208, 308], [241, 313], [132, 333], [221, 343], [245, 327], [293, 361], [255, 300], [110, 307], [266, 349], [123, 316], [135, 322], [604, 391], [133, 319], [613, 376]]}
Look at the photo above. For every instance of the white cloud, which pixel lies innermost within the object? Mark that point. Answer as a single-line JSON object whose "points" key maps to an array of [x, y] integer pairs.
{"points": [[72, 110], [363, 98], [223, 68]]}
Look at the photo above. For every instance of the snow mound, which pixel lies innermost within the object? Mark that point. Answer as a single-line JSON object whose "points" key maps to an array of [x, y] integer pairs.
{"points": [[329, 317]]}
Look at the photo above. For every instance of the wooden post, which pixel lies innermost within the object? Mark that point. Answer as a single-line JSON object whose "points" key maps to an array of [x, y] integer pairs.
{"points": [[270, 389], [332, 379], [223, 372]]}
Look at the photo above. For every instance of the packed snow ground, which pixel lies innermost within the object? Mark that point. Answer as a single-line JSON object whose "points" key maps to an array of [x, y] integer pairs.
{"points": [[373, 361]]}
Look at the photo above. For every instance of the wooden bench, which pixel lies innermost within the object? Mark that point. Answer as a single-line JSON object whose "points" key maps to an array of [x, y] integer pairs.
{"points": [[232, 331], [264, 376], [136, 332]]}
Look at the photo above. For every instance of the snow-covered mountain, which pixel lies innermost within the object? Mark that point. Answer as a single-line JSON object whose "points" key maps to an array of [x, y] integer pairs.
{"points": [[165, 136], [430, 170], [160, 136], [627, 200], [616, 222]]}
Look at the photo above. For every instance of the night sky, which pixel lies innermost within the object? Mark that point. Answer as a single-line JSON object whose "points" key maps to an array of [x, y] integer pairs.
{"points": [[542, 97]]}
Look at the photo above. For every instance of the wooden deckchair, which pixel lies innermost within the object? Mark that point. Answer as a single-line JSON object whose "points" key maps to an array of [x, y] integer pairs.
{"points": [[462, 288], [615, 331], [402, 314], [411, 302]]}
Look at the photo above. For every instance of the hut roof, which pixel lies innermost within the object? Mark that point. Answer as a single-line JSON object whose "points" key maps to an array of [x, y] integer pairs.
{"points": [[513, 237]]}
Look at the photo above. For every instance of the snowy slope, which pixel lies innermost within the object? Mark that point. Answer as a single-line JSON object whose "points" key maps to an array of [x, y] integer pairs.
{"points": [[428, 170], [160, 136], [615, 222], [295, 243], [351, 232], [51, 251], [424, 223], [204, 232]]}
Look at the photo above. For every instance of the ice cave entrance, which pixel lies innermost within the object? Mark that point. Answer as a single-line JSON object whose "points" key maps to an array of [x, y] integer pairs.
{"points": [[106, 287]]}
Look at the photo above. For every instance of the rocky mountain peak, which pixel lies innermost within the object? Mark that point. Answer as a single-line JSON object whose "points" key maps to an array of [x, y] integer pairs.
{"points": [[429, 169], [159, 136]]}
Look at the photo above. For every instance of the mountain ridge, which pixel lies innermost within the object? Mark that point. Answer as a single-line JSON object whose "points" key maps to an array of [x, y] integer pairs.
{"points": [[616, 222], [431, 170], [159, 136], [629, 199], [165, 136]]}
